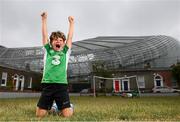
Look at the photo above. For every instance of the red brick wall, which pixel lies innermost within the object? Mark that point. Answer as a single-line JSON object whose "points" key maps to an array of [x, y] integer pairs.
{"points": [[167, 76]]}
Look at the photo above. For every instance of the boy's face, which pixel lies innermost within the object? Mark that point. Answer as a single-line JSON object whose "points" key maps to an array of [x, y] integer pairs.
{"points": [[57, 44]]}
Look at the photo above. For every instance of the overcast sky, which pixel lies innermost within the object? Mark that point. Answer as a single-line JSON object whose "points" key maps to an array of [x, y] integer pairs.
{"points": [[20, 21]]}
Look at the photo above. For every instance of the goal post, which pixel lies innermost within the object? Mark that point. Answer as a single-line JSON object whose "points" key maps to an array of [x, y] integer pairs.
{"points": [[117, 85]]}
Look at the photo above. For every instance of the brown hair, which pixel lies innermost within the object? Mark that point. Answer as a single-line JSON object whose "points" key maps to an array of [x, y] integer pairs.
{"points": [[57, 34]]}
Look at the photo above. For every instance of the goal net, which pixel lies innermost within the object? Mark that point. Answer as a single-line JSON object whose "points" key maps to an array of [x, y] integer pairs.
{"points": [[108, 86]]}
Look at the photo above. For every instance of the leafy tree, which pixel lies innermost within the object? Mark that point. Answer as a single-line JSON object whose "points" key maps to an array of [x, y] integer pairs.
{"points": [[100, 69], [176, 72]]}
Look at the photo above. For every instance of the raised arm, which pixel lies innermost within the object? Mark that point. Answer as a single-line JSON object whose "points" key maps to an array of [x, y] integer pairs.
{"points": [[71, 31], [44, 28]]}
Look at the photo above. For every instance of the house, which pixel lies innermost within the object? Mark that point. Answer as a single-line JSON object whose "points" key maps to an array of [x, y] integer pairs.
{"points": [[14, 79], [132, 79]]}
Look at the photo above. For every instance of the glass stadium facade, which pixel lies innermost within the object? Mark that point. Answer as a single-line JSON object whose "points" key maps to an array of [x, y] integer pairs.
{"points": [[116, 52]]}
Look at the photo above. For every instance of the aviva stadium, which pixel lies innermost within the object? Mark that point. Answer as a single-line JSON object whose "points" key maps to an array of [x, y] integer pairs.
{"points": [[116, 52]]}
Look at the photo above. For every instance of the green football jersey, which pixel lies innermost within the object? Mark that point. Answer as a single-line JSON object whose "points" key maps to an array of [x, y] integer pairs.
{"points": [[55, 65]]}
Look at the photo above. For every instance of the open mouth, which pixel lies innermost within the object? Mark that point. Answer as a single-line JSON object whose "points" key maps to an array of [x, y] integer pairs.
{"points": [[58, 46]]}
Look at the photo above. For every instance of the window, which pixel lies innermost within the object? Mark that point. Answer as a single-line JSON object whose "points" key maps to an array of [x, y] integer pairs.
{"points": [[30, 83], [141, 81], [174, 83], [4, 79]]}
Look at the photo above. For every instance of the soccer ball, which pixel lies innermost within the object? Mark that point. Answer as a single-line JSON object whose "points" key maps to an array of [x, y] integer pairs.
{"points": [[129, 94]]}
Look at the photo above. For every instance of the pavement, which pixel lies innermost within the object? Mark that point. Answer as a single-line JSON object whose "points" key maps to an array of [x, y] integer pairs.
{"points": [[25, 94], [160, 94], [18, 94], [37, 94]]}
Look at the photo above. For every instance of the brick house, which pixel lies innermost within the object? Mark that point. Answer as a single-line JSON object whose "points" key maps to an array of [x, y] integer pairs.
{"points": [[12, 79], [146, 79]]}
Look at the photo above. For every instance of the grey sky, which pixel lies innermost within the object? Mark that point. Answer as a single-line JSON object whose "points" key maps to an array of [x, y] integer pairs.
{"points": [[20, 22]]}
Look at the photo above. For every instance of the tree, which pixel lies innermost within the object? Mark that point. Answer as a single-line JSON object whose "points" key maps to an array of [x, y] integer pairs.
{"points": [[100, 69], [176, 72]]}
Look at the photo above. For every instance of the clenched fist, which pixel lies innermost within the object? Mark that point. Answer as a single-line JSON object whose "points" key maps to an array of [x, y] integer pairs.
{"points": [[71, 19], [44, 15]]}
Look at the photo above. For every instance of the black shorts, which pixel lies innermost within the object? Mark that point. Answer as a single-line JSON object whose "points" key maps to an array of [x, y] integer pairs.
{"points": [[54, 92]]}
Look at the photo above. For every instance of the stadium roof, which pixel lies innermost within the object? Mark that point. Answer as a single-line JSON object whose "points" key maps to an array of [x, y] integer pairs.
{"points": [[95, 44], [104, 42], [116, 51]]}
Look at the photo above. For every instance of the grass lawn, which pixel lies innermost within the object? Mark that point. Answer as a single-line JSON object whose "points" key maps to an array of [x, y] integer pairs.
{"points": [[98, 109]]}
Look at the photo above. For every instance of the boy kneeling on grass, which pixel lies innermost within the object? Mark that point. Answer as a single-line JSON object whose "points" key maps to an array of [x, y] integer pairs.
{"points": [[54, 81]]}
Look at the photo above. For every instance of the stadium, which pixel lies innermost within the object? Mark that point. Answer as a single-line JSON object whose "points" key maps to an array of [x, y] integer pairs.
{"points": [[147, 57]]}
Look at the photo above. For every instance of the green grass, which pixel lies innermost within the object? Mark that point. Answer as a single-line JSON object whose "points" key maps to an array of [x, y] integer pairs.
{"points": [[98, 109]]}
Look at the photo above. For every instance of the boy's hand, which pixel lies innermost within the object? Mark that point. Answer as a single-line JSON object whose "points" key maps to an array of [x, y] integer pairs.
{"points": [[71, 19], [44, 15]]}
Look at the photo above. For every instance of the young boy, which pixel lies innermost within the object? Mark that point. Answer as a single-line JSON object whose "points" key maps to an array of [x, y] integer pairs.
{"points": [[54, 81]]}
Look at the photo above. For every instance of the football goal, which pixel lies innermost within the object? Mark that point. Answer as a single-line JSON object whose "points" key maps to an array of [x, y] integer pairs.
{"points": [[105, 86]]}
